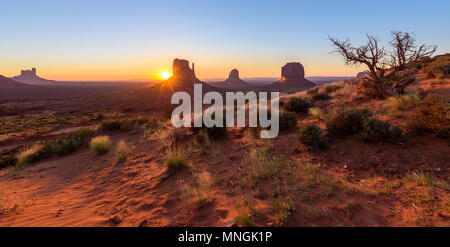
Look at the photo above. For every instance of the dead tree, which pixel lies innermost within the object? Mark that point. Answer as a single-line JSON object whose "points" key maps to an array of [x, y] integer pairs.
{"points": [[406, 52], [373, 56], [386, 72]]}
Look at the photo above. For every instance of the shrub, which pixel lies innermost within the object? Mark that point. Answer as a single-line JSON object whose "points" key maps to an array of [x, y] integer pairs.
{"points": [[403, 101], [175, 159], [315, 112], [123, 125], [377, 130], [320, 96], [297, 104], [28, 155], [287, 120], [69, 143], [100, 144], [440, 68], [431, 116], [347, 122], [122, 150], [62, 146], [311, 135]]}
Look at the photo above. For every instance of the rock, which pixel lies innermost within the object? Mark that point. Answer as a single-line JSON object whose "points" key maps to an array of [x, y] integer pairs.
{"points": [[234, 74], [361, 74], [181, 69], [229, 223], [292, 71], [233, 80], [143, 223], [293, 76], [165, 176], [30, 77], [115, 220]]}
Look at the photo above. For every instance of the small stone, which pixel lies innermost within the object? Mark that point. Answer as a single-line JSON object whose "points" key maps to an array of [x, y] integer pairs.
{"points": [[115, 220], [165, 176], [143, 223], [229, 223]]}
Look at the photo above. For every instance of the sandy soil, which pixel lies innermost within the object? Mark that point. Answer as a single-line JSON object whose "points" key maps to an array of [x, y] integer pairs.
{"points": [[354, 184]]}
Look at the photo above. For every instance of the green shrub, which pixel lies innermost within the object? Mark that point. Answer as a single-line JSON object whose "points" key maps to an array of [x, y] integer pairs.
{"points": [[347, 122], [175, 159], [311, 135], [432, 115], [287, 120], [320, 96], [100, 144], [439, 68], [297, 104], [377, 130], [123, 125]]}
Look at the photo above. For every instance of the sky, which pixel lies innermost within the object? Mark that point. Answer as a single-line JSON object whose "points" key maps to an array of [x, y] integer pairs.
{"points": [[125, 40]]}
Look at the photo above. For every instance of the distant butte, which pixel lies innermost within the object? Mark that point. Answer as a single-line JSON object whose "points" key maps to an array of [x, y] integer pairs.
{"points": [[30, 77], [233, 81], [293, 76]]}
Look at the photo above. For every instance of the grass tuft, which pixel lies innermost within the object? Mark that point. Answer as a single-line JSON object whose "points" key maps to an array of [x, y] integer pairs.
{"points": [[123, 150], [100, 144], [175, 159]]}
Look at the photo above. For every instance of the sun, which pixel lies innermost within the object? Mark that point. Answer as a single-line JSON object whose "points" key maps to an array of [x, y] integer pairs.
{"points": [[165, 75]]}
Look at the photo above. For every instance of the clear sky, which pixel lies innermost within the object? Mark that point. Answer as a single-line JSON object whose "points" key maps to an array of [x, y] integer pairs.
{"points": [[120, 40]]}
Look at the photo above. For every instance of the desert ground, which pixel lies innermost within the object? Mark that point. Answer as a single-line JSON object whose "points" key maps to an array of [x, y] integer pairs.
{"points": [[231, 179]]}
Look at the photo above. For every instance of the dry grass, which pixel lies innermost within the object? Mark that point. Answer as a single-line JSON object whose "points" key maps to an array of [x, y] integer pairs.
{"points": [[175, 159], [199, 192], [24, 157], [346, 93], [100, 144], [123, 150], [316, 113], [244, 219], [402, 102], [262, 165]]}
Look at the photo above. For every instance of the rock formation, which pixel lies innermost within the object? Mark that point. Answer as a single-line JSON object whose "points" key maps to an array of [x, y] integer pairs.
{"points": [[361, 74], [233, 81], [293, 76], [182, 71], [183, 79], [234, 74], [30, 77]]}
